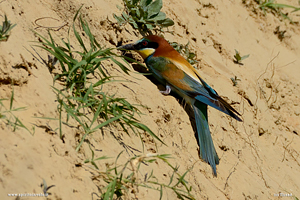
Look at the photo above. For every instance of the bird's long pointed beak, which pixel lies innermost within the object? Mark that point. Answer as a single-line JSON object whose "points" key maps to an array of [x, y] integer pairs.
{"points": [[126, 47]]}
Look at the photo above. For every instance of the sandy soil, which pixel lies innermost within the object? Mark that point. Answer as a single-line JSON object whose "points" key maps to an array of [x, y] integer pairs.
{"points": [[259, 158]]}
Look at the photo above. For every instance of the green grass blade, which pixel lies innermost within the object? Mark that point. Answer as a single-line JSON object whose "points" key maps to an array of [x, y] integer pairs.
{"points": [[11, 99], [106, 122], [145, 128], [48, 118], [124, 69], [76, 14], [77, 66], [79, 39]]}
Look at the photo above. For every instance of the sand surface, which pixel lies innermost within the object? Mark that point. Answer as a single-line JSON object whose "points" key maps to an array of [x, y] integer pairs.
{"points": [[259, 158]]}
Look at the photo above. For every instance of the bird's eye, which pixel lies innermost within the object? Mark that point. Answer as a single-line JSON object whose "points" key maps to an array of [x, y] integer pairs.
{"points": [[144, 43]]}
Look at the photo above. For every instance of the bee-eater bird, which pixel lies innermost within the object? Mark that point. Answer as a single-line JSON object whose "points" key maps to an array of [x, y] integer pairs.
{"points": [[177, 74]]}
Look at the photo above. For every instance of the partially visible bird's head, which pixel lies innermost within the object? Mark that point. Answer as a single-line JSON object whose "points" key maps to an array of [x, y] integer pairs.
{"points": [[147, 46]]}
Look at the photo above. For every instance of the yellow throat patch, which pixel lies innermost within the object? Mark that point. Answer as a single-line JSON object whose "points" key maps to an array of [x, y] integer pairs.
{"points": [[146, 52]]}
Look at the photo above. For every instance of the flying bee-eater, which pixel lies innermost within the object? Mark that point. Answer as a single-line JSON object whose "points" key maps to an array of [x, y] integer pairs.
{"points": [[178, 75]]}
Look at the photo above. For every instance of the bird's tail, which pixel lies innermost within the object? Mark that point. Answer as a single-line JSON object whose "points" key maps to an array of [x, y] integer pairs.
{"points": [[207, 150]]}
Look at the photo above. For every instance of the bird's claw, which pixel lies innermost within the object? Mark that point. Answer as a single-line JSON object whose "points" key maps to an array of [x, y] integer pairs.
{"points": [[167, 91]]}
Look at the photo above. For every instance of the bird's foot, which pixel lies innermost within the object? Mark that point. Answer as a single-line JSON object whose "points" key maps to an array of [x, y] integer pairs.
{"points": [[167, 91]]}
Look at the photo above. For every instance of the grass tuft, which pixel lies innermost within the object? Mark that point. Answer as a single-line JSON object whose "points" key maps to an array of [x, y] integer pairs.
{"points": [[144, 15], [8, 115], [235, 80], [5, 29], [81, 98], [127, 177], [276, 8], [239, 58]]}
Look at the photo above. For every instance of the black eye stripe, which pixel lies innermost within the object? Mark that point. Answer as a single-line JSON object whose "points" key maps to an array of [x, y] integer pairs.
{"points": [[153, 45], [146, 44]]}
